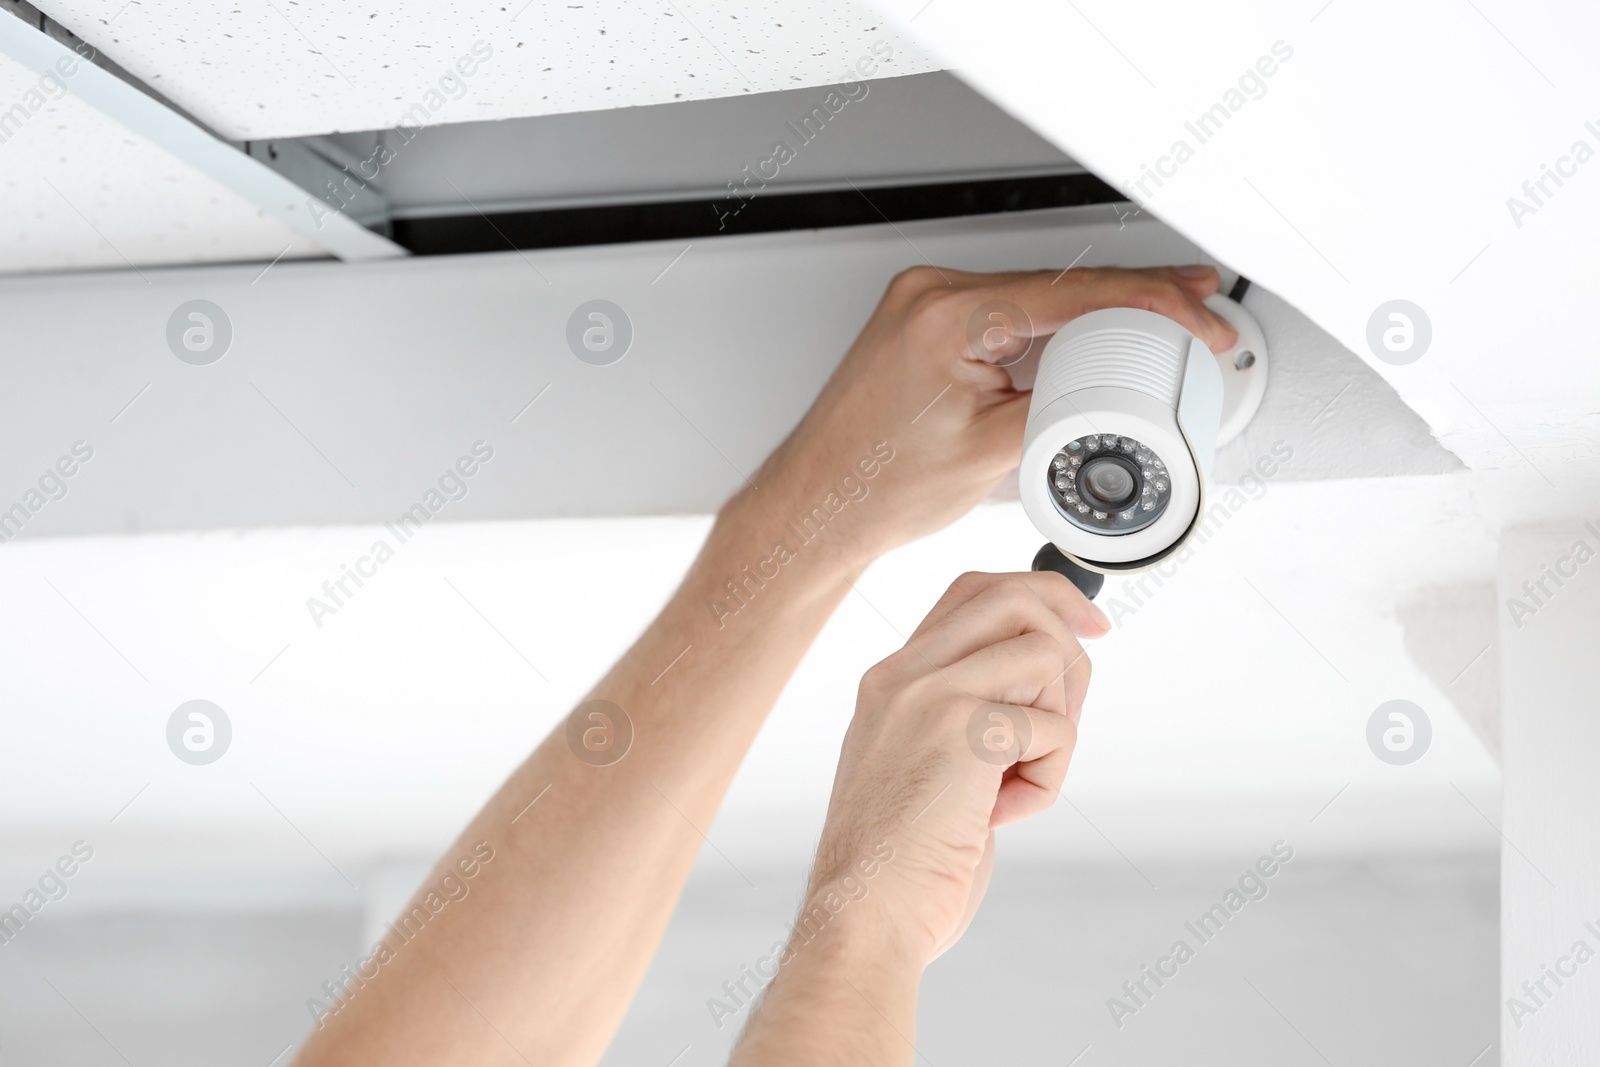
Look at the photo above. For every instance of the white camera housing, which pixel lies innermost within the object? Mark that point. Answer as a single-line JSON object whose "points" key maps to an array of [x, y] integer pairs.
{"points": [[1131, 400]]}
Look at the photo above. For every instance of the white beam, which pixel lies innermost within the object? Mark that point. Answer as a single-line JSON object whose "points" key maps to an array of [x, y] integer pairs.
{"points": [[336, 389]]}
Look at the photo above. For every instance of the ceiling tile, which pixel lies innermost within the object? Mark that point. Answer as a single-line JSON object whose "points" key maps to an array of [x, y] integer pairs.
{"points": [[80, 191], [281, 68]]}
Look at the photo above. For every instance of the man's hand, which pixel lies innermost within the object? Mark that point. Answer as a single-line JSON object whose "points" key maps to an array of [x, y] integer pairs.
{"points": [[927, 374], [970, 726]]}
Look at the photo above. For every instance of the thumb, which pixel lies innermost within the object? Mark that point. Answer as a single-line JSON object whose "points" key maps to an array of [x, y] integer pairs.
{"points": [[980, 886], [1000, 429]]}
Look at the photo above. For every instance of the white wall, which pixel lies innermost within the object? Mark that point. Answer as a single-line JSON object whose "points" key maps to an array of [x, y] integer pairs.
{"points": [[1550, 863], [1383, 964]]}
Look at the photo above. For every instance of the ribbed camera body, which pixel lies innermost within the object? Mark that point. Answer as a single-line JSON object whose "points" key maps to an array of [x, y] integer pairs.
{"points": [[1120, 438]]}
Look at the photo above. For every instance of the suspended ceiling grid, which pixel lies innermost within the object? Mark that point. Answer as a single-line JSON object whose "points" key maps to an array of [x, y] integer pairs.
{"points": [[281, 68]]}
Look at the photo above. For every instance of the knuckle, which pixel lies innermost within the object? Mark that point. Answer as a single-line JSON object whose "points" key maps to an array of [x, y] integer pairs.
{"points": [[936, 310], [913, 281], [879, 681], [970, 584]]}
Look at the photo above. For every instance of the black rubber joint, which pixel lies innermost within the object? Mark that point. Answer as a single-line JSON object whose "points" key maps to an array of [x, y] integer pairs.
{"points": [[1049, 558]]}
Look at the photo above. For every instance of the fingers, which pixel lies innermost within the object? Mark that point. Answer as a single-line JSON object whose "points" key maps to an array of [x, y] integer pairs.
{"points": [[1198, 278], [981, 609], [1002, 336], [1029, 788], [1032, 783], [1050, 301], [1000, 614], [1176, 301], [1046, 300], [1037, 669], [998, 432]]}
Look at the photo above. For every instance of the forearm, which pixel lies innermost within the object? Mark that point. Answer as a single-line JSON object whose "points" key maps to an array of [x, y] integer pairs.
{"points": [[558, 929], [845, 994]]}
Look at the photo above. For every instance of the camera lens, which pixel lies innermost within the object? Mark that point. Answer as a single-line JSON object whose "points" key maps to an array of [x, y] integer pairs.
{"points": [[1109, 484]]}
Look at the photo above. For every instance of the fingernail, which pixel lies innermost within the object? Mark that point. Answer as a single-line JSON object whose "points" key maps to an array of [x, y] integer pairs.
{"points": [[1094, 609], [1193, 270]]}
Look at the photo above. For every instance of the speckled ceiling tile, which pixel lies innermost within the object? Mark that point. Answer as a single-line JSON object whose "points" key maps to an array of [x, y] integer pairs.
{"points": [[80, 191], [254, 69]]}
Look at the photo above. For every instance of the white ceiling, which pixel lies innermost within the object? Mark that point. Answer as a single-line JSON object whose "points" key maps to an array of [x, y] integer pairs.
{"points": [[1353, 175], [282, 68], [81, 191], [101, 176]]}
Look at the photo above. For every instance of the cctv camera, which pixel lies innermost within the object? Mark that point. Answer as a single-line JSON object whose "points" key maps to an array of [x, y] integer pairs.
{"points": [[1128, 410]]}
